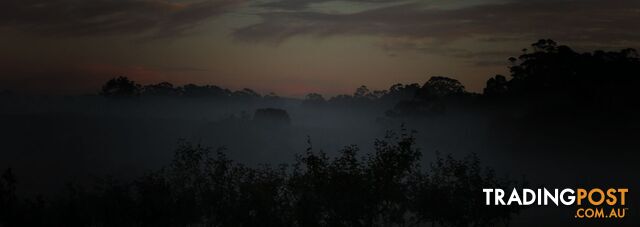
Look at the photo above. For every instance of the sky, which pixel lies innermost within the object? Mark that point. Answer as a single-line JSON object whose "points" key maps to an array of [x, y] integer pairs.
{"points": [[290, 47]]}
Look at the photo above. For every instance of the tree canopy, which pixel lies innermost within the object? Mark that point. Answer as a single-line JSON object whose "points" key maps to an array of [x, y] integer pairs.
{"points": [[201, 186]]}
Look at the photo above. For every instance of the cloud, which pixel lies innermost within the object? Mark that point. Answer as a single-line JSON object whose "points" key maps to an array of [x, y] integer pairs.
{"points": [[186, 69], [439, 49], [290, 4], [154, 18], [304, 4], [590, 21]]}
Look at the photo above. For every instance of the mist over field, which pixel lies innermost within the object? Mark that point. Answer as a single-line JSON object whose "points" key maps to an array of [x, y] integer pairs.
{"points": [[319, 113], [546, 136], [82, 135]]}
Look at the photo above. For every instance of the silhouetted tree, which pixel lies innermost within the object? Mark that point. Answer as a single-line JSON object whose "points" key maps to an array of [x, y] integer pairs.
{"points": [[432, 98], [192, 90], [246, 93], [440, 87], [403, 92], [557, 76], [160, 89], [314, 99], [391, 167], [496, 86], [361, 92], [271, 97], [341, 99], [120, 87]]}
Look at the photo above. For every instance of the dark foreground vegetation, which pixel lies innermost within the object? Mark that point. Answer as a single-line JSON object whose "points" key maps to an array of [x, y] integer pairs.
{"points": [[203, 187]]}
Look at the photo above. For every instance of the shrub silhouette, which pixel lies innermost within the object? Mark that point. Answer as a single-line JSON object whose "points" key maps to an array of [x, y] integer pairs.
{"points": [[7, 195], [448, 196], [201, 186]]}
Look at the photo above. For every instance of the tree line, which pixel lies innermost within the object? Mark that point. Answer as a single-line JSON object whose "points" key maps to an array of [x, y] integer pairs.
{"points": [[553, 75], [123, 87]]}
